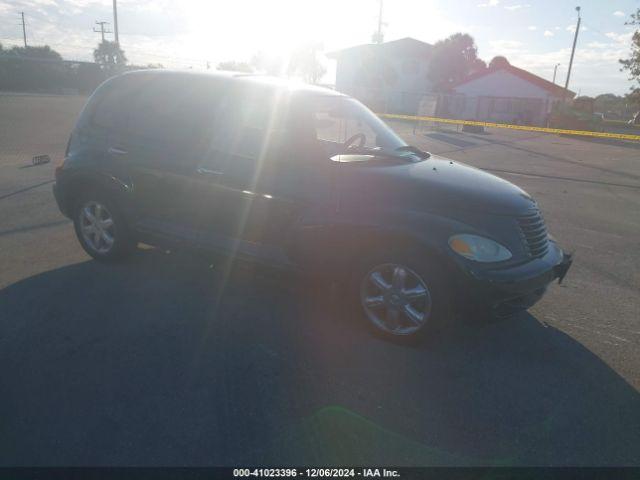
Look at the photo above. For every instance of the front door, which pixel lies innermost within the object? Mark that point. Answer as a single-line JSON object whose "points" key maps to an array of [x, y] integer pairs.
{"points": [[255, 184]]}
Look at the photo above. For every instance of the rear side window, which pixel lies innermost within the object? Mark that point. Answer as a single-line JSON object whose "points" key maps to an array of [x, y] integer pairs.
{"points": [[112, 108], [173, 110]]}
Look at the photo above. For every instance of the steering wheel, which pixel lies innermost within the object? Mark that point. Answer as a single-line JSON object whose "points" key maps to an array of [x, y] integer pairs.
{"points": [[352, 139]]}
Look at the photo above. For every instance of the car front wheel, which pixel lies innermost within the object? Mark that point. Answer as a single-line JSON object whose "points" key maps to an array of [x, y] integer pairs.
{"points": [[402, 297]]}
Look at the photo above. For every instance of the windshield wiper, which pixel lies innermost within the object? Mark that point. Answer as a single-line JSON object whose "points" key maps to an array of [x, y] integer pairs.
{"points": [[404, 154], [410, 148], [382, 152]]}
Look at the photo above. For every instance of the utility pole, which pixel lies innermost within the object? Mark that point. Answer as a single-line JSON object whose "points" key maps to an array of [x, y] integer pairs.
{"points": [[573, 51], [102, 30], [555, 70], [378, 36], [24, 30], [115, 22]]}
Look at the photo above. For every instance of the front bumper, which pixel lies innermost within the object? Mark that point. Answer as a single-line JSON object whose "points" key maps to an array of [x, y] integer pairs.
{"points": [[511, 289]]}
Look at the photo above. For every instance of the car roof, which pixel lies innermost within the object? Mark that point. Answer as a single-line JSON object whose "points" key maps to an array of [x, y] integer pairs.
{"points": [[239, 78]]}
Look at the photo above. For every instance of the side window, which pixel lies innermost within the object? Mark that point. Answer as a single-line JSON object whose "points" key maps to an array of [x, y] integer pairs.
{"points": [[338, 129], [247, 127], [112, 108], [173, 112]]}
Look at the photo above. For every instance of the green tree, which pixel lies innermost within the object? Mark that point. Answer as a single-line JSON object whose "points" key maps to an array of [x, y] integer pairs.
{"points": [[109, 56], [32, 69], [234, 66], [499, 61], [39, 53], [306, 63], [453, 59], [632, 63], [609, 103]]}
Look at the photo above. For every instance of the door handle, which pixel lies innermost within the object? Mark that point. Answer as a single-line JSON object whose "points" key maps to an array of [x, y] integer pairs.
{"points": [[206, 171], [116, 151]]}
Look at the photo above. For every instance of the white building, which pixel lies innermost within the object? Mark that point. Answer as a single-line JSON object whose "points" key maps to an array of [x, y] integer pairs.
{"points": [[389, 77]]}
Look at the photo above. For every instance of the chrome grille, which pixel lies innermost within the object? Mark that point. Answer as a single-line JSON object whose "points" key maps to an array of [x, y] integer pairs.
{"points": [[534, 234]]}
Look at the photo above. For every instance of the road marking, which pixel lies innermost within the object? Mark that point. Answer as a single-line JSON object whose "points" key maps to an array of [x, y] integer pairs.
{"points": [[584, 133]]}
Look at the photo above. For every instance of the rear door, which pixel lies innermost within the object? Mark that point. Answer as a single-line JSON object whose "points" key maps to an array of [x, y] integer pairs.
{"points": [[101, 131], [167, 136]]}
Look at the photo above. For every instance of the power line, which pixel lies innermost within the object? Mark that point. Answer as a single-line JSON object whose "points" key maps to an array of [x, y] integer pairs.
{"points": [[378, 36], [115, 22], [102, 31], [24, 30], [573, 51]]}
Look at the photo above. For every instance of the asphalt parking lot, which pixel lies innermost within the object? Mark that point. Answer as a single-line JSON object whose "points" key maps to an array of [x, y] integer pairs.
{"points": [[168, 361]]}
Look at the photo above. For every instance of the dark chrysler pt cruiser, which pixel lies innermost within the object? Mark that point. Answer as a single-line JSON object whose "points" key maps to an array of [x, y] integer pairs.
{"points": [[301, 178]]}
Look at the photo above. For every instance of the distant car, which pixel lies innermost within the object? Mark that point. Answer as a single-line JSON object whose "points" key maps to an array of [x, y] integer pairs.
{"points": [[302, 178], [635, 120]]}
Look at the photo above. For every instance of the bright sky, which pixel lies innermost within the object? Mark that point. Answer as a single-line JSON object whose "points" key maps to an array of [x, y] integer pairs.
{"points": [[188, 33]]}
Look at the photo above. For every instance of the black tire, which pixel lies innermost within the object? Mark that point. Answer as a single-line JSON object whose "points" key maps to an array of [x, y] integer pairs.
{"points": [[123, 242], [429, 270]]}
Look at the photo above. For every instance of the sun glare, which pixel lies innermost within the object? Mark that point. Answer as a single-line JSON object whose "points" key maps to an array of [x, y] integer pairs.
{"points": [[244, 28]]}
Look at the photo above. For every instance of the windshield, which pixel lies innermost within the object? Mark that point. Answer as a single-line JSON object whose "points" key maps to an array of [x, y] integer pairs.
{"points": [[337, 122]]}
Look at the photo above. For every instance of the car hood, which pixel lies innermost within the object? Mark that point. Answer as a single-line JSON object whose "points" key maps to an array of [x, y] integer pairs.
{"points": [[439, 185]]}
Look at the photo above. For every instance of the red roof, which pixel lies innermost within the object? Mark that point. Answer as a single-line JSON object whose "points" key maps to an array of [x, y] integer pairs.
{"points": [[551, 87]]}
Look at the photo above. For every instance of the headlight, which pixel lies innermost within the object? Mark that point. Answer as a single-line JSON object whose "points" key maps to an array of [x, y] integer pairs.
{"points": [[478, 248]]}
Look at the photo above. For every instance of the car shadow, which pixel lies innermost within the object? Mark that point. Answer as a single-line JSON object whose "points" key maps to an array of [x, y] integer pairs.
{"points": [[166, 361]]}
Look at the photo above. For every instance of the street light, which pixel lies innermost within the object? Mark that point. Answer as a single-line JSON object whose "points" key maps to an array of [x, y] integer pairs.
{"points": [[555, 70], [115, 22], [573, 51]]}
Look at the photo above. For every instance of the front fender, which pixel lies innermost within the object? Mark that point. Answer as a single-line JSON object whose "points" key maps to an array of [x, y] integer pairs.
{"points": [[336, 242]]}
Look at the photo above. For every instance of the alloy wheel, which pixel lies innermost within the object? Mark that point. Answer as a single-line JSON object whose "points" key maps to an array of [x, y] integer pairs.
{"points": [[97, 227], [395, 299]]}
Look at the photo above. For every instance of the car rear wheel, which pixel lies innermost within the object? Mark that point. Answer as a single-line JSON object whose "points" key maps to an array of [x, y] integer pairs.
{"points": [[101, 229]]}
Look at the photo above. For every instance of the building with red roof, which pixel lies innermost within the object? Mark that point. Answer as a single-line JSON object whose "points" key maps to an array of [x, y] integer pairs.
{"points": [[505, 93], [393, 77]]}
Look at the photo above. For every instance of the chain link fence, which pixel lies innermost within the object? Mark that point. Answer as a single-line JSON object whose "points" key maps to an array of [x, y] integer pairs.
{"points": [[509, 110]]}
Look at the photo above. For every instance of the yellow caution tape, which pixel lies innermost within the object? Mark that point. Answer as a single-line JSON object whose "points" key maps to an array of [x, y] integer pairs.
{"points": [[584, 133]]}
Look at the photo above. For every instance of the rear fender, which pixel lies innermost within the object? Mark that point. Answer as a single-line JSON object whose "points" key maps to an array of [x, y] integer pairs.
{"points": [[75, 185]]}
